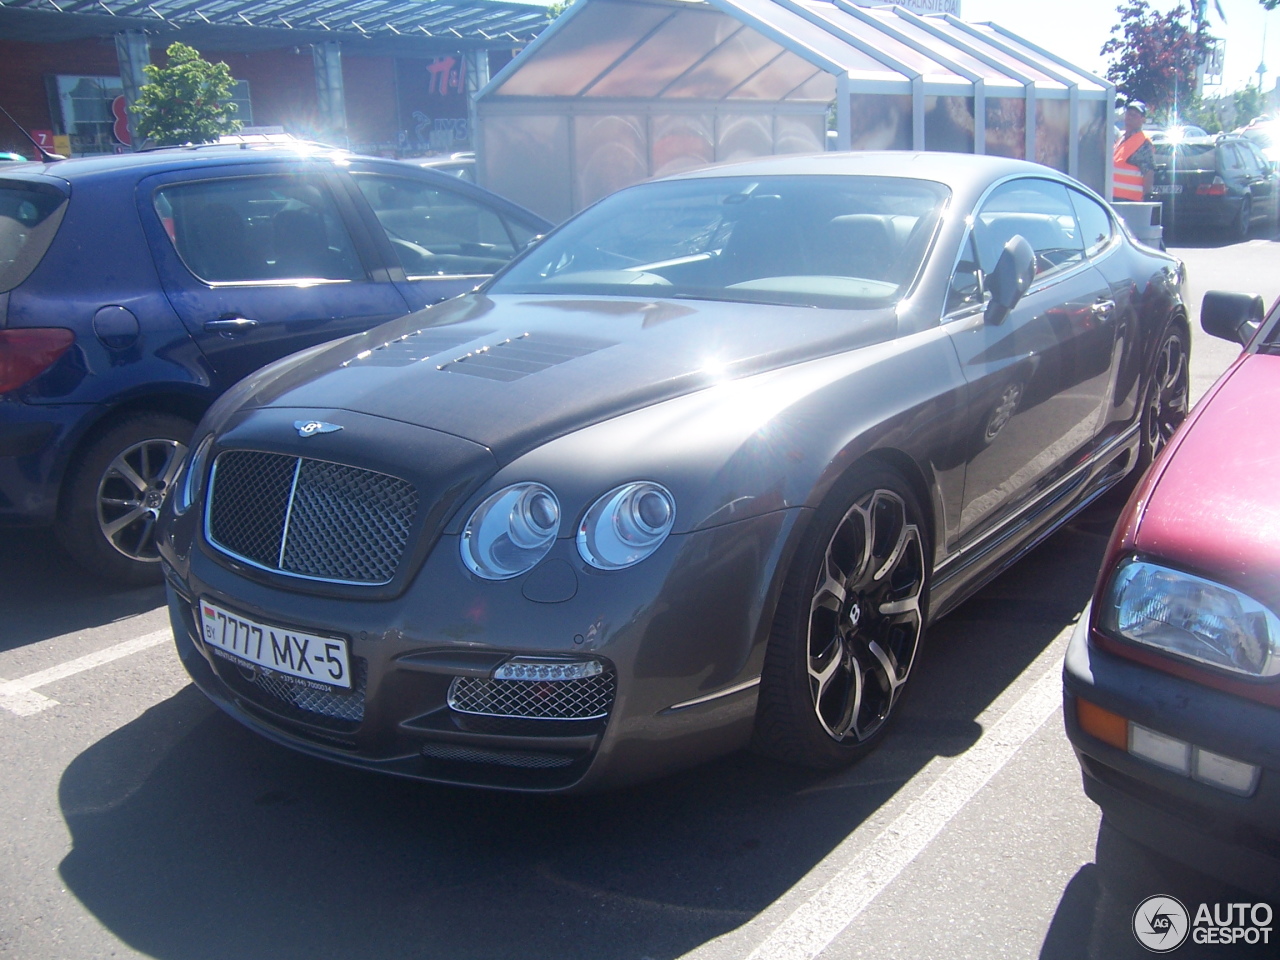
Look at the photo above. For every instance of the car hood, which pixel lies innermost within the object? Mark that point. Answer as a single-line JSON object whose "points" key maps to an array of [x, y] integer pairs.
{"points": [[1215, 509], [511, 372]]}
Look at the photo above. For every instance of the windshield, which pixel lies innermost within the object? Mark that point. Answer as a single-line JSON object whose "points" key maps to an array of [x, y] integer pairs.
{"points": [[823, 241]]}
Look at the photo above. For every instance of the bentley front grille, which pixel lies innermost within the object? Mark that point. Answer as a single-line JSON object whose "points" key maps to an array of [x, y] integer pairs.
{"points": [[584, 698], [309, 518]]}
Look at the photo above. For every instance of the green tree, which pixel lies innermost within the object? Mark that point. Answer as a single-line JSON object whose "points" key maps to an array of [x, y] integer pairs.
{"points": [[186, 101], [1249, 103], [1154, 55]]}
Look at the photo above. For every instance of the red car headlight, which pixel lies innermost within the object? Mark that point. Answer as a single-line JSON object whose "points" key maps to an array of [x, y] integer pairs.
{"points": [[1192, 618]]}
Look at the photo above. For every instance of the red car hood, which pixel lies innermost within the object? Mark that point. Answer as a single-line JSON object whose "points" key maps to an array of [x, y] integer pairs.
{"points": [[1215, 509]]}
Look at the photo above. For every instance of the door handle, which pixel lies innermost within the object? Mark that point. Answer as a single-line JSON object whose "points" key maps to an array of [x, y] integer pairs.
{"points": [[230, 326], [1102, 309]]}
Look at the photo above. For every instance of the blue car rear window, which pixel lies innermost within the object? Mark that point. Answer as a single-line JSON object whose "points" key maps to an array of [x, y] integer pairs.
{"points": [[29, 218]]}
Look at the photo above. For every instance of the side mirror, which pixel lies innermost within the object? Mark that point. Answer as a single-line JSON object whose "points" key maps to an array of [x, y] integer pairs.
{"points": [[1231, 316], [1010, 279]]}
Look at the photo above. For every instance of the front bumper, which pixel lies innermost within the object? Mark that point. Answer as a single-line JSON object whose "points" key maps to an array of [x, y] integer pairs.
{"points": [[1234, 838], [688, 623]]}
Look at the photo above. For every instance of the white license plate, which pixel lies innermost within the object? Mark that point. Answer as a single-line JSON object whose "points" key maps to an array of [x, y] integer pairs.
{"points": [[1167, 188], [321, 661]]}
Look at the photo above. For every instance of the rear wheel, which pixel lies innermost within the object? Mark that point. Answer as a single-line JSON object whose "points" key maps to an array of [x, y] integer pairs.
{"points": [[1240, 229], [114, 493], [848, 626]]}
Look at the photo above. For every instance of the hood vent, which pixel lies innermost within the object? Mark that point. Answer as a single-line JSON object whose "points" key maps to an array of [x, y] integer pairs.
{"points": [[415, 346], [518, 357]]}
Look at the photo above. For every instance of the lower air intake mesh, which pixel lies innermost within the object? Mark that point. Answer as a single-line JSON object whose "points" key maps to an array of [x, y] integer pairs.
{"points": [[528, 759], [587, 698]]}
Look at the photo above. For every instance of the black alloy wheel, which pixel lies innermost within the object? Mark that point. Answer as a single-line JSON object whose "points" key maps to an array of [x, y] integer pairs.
{"points": [[1168, 395], [114, 493], [848, 626]]}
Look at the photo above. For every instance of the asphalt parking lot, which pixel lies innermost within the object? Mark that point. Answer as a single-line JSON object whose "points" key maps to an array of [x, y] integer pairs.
{"points": [[135, 820]]}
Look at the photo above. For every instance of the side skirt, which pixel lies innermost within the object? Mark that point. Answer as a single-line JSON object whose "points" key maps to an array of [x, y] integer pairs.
{"points": [[969, 569]]}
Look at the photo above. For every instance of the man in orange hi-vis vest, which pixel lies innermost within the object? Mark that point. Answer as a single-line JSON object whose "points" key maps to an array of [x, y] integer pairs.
{"points": [[1133, 159]]}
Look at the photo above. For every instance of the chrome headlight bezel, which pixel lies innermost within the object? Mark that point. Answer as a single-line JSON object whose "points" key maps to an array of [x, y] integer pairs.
{"points": [[626, 525], [191, 481], [511, 531], [1190, 618]]}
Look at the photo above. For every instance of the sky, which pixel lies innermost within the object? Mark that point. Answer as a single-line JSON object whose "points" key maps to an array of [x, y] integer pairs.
{"points": [[1077, 29]]}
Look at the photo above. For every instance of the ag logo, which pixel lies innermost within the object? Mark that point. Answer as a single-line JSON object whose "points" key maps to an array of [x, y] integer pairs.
{"points": [[309, 428], [1161, 924]]}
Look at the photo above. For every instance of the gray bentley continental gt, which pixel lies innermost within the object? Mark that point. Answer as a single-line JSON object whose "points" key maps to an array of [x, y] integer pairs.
{"points": [[693, 473]]}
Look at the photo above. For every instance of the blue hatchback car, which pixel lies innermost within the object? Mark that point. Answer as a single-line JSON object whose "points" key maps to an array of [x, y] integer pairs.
{"points": [[135, 289]]}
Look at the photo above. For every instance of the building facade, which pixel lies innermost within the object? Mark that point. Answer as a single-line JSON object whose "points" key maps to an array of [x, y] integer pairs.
{"points": [[395, 84]]}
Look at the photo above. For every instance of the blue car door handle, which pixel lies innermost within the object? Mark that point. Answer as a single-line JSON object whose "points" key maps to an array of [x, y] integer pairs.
{"points": [[230, 326]]}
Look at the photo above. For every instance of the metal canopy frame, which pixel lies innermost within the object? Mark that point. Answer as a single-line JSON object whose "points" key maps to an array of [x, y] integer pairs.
{"points": [[630, 59], [492, 23]]}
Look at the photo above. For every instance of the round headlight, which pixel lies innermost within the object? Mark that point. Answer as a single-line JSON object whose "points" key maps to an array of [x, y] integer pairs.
{"points": [[626, 525], [192, 481], [511, 531]]}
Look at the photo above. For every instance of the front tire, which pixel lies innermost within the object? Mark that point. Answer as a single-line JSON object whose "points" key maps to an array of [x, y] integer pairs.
{"points": [[114, 493], [848, 625], [1168, 398]]}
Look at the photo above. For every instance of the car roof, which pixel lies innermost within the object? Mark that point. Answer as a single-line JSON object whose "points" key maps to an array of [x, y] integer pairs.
{"points": [[949, 168], [133, 165]]}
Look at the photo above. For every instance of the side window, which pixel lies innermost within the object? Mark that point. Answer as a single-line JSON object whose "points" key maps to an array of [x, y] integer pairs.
{"points": [[1040, 212], [255, 229], [1095, 224], [437, 232], [965, 289], [1249, 157], [1232, 164], [1261, 158]]}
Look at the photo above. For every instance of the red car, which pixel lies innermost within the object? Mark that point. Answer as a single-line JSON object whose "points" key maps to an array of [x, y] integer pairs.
{"points": [[1172, 680]]}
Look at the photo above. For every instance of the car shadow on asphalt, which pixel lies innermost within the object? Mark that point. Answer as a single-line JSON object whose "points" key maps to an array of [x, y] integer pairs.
{"points": [[194, 838], [44, 593], [1094, 919]]}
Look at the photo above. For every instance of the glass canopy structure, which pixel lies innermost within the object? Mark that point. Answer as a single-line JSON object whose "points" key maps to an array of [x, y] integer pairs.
{"points": [[617, 91]]}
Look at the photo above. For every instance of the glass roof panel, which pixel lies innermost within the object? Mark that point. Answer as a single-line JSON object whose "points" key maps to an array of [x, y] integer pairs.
{"points": [[596, 36], [802, 34], [821, 88], [776, 80], [729, 64], [1085, 81], [879, 40], [1026, 69], [929, 41], [674, 48]]}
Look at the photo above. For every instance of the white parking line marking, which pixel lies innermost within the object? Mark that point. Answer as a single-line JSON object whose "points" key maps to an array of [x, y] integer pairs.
{"points": [[19, 696], [811, 928]]}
